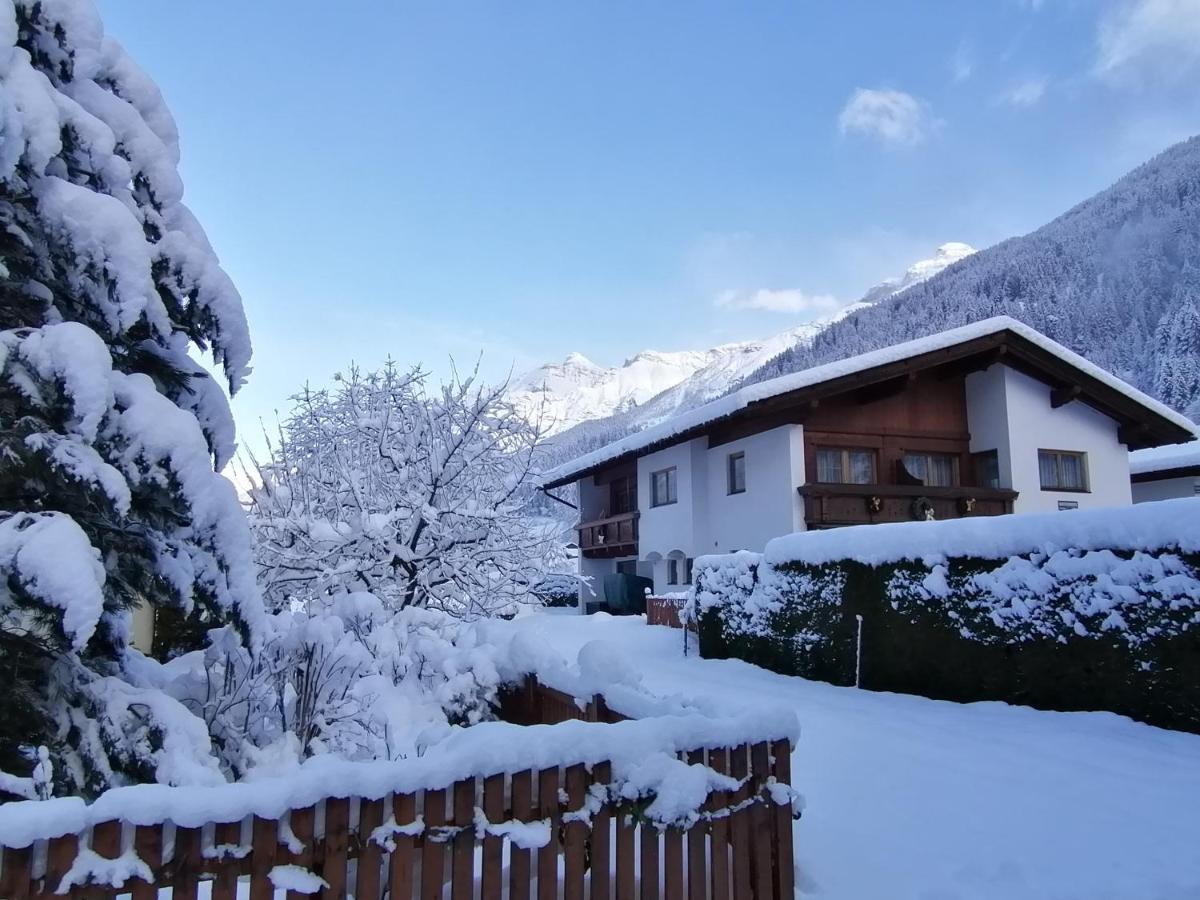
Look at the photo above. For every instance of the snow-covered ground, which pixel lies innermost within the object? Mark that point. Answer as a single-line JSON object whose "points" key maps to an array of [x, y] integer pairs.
{"points": [[916, 798]]}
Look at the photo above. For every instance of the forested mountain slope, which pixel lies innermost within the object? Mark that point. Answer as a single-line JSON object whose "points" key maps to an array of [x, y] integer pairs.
{"points": [[1117, 279]]}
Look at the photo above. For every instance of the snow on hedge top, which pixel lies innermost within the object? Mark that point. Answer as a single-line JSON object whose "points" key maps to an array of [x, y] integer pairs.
{"points": [[1161, 459], [1142, 526], [763, 390]]}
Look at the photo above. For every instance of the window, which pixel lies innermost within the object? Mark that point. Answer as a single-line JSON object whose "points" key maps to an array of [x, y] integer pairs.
{"points": [[841, 465], [622, 495], [932, 469], [672, 571], [1068, 504], [987, 469], [663, 487], [627, 567], [737, 473], [687, 570], [1062, 470]]}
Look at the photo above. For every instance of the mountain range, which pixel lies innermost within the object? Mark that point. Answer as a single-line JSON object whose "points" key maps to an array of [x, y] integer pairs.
{"points": [[653, 385], [1116, 279]]}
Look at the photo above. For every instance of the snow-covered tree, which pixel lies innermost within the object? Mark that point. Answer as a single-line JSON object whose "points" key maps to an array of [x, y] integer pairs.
{"points": [[346, 676], [1177, 370], [419, 495], [111, 434]]}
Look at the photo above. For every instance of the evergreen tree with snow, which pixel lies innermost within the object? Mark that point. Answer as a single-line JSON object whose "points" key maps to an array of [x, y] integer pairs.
{"points": [[111, 434], [1177, 373], [1110, 279]]}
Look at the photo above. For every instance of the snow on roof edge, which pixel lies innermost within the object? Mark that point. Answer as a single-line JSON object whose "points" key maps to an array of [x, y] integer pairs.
{"points": [[1165, 458], [730, 404]]}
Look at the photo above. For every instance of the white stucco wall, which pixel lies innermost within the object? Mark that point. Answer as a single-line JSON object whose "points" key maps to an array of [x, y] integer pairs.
{"points": [[988, 425], [662, 529], [770, 505], [1165, 489], [1029, 424]]}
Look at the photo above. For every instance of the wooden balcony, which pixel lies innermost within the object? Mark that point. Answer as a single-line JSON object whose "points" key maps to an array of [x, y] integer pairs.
{"points": [[612, 536], [827, 505]]}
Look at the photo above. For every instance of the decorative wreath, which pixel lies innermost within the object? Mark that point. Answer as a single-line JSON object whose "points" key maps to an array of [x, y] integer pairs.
{"points": [[874, 504], [922, 509]]}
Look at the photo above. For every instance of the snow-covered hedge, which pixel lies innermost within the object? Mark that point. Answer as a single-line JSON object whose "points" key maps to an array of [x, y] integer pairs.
{"points": [[1094, 609]]}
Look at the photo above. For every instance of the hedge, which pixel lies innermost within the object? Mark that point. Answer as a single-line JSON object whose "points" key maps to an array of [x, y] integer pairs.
{"points": [[1054, 628]]}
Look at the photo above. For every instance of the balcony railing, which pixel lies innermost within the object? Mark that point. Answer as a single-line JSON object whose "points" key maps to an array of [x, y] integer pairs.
{"points": [[862, 504], [611, 536]]}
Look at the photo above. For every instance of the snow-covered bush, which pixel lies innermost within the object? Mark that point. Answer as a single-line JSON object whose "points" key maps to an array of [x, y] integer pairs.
{"points": [[416, 494], [347, 677], [110, 432], [1097, 609]]}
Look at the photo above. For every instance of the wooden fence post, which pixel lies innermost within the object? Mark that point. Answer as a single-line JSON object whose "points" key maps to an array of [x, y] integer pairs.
{"points": [[601, 839], [547, 857], [785, 865], [370, 854]]}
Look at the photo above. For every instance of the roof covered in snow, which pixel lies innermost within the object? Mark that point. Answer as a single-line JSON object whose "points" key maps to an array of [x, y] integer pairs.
{"points": [[1151, 423], [1174, 458]]}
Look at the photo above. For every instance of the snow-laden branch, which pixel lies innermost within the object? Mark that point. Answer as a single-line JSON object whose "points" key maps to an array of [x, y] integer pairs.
{"points": [[417, 494]]}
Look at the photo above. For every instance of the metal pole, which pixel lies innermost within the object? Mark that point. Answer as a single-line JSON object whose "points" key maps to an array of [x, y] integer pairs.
{"points": [[858, 654]]}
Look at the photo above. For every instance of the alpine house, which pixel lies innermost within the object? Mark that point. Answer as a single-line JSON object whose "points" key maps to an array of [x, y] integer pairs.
{"points": [[987, 419]]}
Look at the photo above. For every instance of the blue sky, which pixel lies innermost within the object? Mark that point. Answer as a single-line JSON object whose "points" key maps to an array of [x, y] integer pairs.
{"points": [[430, 180]]}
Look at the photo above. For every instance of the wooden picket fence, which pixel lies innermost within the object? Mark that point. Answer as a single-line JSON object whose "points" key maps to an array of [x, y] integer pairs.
{"points": [[664, 611], [437, 843]]}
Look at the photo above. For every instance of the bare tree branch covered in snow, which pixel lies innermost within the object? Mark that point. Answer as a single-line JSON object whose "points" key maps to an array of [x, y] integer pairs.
{"points": [[345, 677], [417, 494]]}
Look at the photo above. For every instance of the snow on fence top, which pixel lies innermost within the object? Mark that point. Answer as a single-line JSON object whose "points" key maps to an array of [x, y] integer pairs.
{"points": [[603, 670], [1143, 526], [1161, 459], [733, 403], [643, 752]]}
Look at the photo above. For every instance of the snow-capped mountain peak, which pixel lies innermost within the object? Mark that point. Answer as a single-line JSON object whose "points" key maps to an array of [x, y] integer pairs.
{"points": [[653, 384], [578, 361], [945, 256]]}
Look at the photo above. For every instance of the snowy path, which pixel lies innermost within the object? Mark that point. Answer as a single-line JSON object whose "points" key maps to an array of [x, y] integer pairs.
{"points": [[915, 798]]}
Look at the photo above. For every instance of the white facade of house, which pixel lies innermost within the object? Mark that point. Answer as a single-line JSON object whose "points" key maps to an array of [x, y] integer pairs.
{"points": [[1010, 412], [1007, 411], [1164, 473], [706, 517], [1040, 449], [1166, 488]]}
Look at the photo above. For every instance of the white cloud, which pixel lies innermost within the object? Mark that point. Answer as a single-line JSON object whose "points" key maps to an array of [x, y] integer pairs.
{"points": [[1159, 38], [893, 117], [1024, 93], [788, 300], [962, 63]]}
